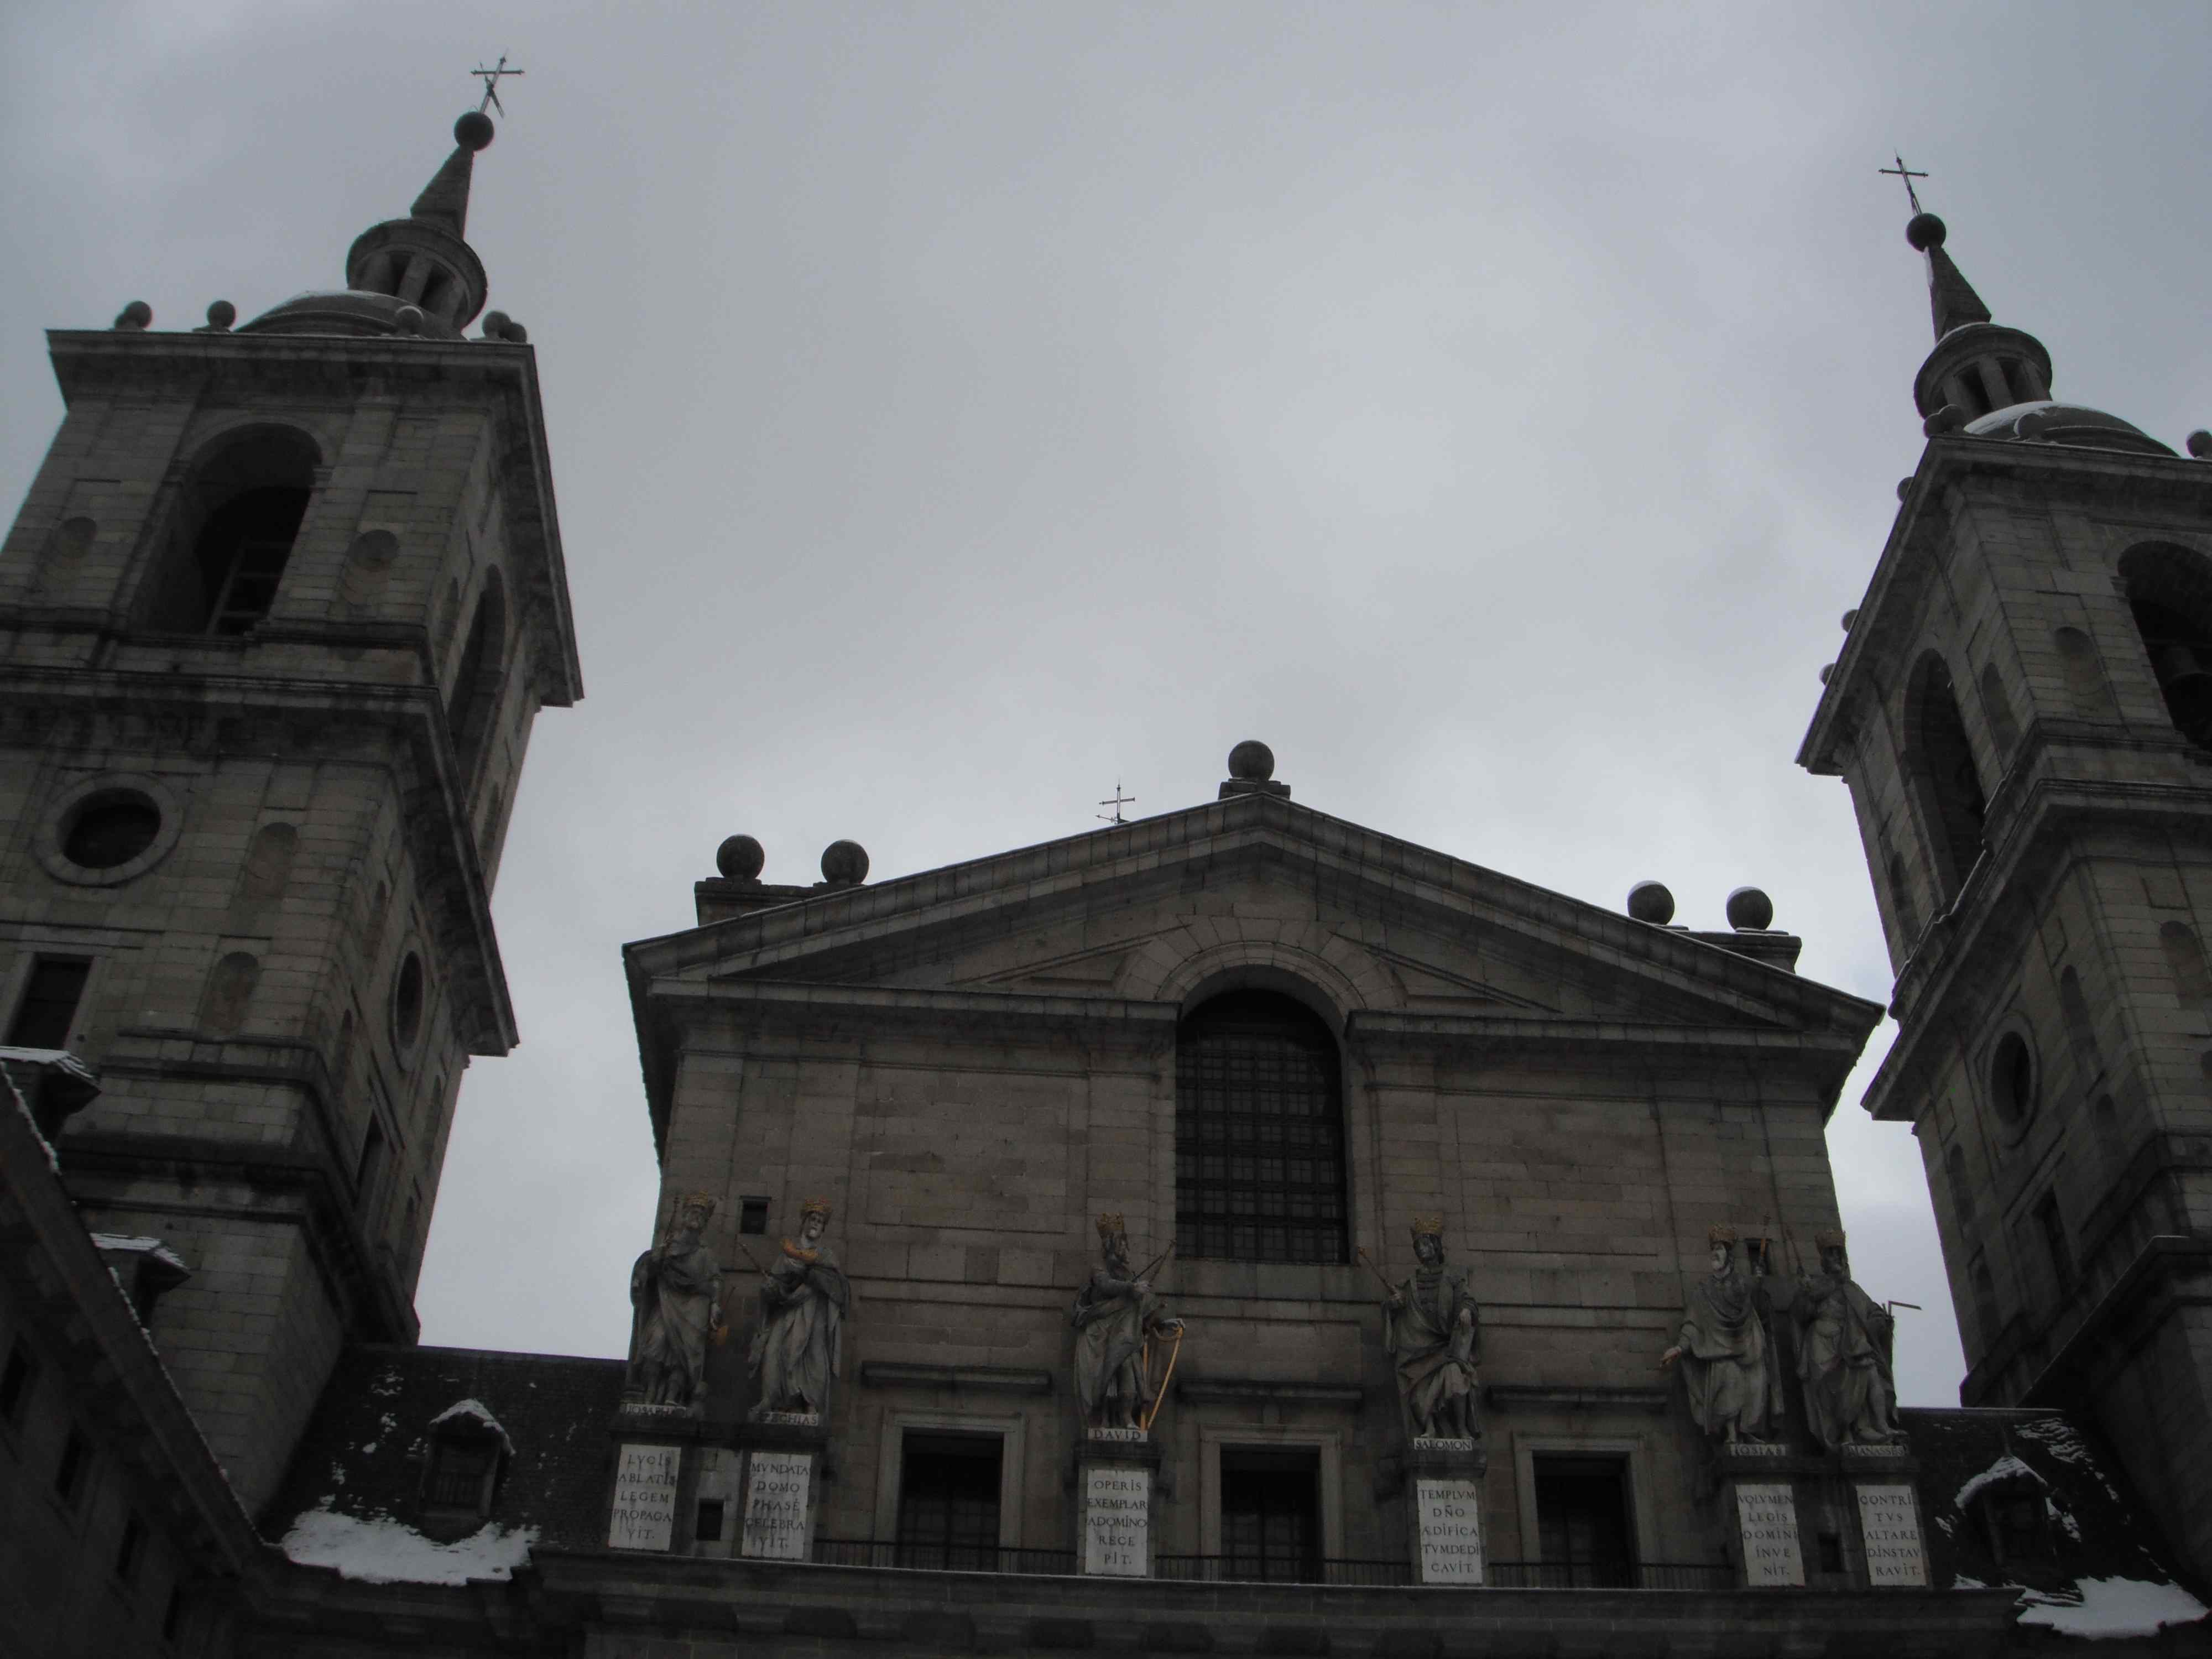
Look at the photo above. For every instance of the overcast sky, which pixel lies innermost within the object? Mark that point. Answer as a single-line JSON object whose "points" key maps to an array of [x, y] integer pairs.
{"points": [[957, 409]]}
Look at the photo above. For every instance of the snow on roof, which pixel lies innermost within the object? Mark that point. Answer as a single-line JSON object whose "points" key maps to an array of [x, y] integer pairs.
{"points": [[2006, 1467], [23, 1106], [135, 1245], [2113, 1608], [378, 1550], [479, 1411]]}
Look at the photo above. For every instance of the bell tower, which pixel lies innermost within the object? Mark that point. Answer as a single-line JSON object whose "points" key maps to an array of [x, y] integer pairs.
{"points": [[280, 608], [2022, 711]]}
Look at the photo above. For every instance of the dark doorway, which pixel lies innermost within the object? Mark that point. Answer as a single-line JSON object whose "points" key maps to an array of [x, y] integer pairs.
{"points": [[1271, 1514], [1582, 1533], [948, 1512]]}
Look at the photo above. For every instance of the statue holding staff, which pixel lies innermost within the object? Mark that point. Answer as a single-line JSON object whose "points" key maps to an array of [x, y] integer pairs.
{"points": [[1115, 1316], [1431, 1326], [798, 1342], [1843, 1354], [1733, 1387], [675, 1289]]}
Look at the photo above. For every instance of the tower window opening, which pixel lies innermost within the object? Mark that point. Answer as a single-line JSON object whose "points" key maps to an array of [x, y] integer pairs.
{"points": [[2012, 1078], [1962, 1191], [407, 1002], [1259, 1133], [2055, 1241], [2169, 593], [237, 516], [474, 696], [242, 554], [1949, 786], [47, 1012]]}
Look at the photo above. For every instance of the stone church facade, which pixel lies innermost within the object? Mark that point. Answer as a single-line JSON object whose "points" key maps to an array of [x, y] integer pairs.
{"points": [[1236, 1230]]}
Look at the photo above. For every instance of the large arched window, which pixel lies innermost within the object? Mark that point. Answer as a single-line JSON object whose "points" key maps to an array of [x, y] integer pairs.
{"points": [[1942, 765], [1259, 1132], [2170, 593], [237, 518]]}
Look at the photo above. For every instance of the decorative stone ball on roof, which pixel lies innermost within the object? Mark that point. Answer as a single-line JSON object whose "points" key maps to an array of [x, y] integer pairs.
{"points": [[474, 130], [844, 864], [2200, 444], [1252, 762], [739, 858], [1924, 231], [1750, 910], [1649, 901]]}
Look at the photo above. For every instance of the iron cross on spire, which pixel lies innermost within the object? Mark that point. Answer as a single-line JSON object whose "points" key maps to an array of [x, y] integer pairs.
{"points": [[1900, 171], [491, 77], [1117, 800]]}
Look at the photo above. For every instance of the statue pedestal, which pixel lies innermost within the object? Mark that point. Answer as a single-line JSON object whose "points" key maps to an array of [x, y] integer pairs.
{"points": [[1113, 1475], [1762, 1510], [783, 1453], [674, 1483], [1443, 1490], [1888, 1508]]}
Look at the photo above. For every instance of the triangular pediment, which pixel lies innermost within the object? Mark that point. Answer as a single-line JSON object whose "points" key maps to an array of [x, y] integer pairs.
{"points": [[1153, 911]]}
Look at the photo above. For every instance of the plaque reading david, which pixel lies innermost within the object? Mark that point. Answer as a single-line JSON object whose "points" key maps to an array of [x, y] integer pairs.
{"points": [[1117, 1522], [1448, 1515], [644, 1515], [1889, 1522], [1767, 1516], [776, 1505]]}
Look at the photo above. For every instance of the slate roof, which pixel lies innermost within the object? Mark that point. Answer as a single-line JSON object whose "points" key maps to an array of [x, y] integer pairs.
{"points": [[2095, 1525], [364, 1451]]}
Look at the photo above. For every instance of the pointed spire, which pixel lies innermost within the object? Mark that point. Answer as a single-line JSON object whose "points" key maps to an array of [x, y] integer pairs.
{"points": [[445, 200], [1951, 297]]}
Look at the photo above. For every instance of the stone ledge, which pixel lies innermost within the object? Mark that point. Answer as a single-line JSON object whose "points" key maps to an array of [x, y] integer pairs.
{"points": [[979, 1379], [1256, 1390], [1573, 1397]]}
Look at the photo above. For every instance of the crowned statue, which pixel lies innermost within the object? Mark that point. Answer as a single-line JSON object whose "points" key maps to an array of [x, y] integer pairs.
{"points": [[1116, 1317], [1432, 1328], [1734, 1390], [803, 1299], [675, 1291], [1843, 1354]]}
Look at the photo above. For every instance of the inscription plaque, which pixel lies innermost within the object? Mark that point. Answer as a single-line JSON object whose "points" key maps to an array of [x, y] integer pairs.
{"points": [[1128, 1436], [1117, 1521], [1448, 1519], [1767, 1519], [1889, 1523], [777, 1501], [644, 1513]]}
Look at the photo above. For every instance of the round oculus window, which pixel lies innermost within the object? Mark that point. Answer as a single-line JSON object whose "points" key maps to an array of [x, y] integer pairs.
{"points": [[111, 829], [407, 1002]]}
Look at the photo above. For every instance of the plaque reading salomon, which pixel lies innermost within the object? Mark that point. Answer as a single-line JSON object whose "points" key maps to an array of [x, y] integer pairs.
{"points": [[1448, 1515]]}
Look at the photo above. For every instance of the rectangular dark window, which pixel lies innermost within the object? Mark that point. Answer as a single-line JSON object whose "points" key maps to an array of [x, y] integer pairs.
{"points": [[128, 1552], [48, 1009], [1271, 1513], [458, 1471], [1830, 1545], [172, 1616], [371, 1164], [2054, 1240], [752, 1215], [1582, 1534], [69, 1473], [15, 1384], [948, 1510], [709, 1527]]}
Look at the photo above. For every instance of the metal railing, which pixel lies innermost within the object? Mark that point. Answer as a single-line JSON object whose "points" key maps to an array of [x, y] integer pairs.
{"points": [[939, 1557], [1345, 1573]]}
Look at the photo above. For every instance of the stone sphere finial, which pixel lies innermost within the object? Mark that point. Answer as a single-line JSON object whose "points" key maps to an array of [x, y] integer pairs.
{"points": [[474, 130], [516, 334], [1924, 231], [495, 324], [1750, 911], [844, 864], [410, 319], [1949, 418], [1649, 901], [1252, 762], [739, 858], [2199, 443], [221, 314], [135, 315]]}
